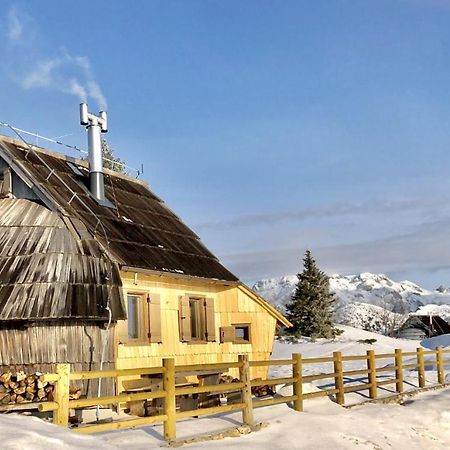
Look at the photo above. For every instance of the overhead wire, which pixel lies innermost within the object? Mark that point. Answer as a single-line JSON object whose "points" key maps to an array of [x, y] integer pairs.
{"points": [[73, 147]]}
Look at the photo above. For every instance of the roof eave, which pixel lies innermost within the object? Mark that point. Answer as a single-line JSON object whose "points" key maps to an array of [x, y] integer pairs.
{"points": [[265, 304], [179, 275]]}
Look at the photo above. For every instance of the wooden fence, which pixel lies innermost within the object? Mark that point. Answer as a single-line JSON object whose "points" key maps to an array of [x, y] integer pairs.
{"points": [[341, 384]]}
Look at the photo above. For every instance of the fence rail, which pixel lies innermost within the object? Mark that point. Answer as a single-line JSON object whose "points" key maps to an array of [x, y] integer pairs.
{"points": [[340, 381]]}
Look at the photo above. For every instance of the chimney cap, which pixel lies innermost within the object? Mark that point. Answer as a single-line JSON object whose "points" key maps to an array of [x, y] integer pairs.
{"points": [[84, 115], [103, 121], [88, 119]]}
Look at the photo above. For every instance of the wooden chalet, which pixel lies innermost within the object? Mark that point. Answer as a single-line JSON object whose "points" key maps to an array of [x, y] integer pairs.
{"points": [[422, 327], [70, 264]]}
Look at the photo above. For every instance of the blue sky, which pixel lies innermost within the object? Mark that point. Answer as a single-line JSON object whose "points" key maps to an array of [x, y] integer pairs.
{"points": [[268, 126]]}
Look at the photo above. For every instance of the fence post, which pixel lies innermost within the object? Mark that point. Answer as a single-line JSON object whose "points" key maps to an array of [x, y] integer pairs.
{"points": [[372, 376], [440, 366], [421, 367], [339, 377], [244, 375], [298, 383], [61, 395], [170, 424], [399, 370]]}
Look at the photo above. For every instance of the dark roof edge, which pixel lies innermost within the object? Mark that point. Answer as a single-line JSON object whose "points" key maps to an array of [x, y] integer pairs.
{"points": [[21, 144], [179, 275]]}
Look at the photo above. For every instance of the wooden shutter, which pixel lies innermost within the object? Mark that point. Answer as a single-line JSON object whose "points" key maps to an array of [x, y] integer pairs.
{"points": [[210, 320], [154, 318], [227, 334], [122, 331], [184, 314]]}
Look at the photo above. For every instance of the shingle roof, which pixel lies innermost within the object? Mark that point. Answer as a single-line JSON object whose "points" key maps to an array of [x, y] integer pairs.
{"points": [[433, 324], [142, 231], [48, 273]]}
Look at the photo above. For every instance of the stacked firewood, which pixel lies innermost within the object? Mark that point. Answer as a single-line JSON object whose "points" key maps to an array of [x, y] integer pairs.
{"points": [[21, 388], [263, 391], [257, 391]]}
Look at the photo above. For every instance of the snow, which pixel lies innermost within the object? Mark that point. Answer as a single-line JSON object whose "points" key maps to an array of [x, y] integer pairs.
{"points": [[19, 432], [370, 317], [416, 425], [375, 289], [420, 422], [435, 310], [437, 341], [369, 301]]}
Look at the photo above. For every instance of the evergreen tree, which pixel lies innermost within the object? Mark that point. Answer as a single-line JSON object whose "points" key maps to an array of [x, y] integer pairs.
{"points": [[311, 307], [109, 160]]}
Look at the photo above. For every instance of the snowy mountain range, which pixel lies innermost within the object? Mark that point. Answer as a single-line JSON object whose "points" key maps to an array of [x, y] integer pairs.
{"points": [[366, 300]]}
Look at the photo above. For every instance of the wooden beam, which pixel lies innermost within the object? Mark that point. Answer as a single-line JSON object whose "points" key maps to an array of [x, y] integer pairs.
{"points": [[440, 366], [420, 367], [61, 395], [298, 383], [120, 425], [339, 378], [399, 370], [372, 367], [170, 427], [244, 376]]}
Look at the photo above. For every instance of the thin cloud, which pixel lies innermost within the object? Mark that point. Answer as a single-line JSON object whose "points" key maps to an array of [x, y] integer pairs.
{"points": [[62, 72], [421, 251], [41, 76], [14, 28], [319, 212]]}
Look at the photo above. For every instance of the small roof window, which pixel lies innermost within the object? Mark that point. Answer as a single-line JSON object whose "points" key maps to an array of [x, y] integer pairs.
{"points": [[74, 168]]}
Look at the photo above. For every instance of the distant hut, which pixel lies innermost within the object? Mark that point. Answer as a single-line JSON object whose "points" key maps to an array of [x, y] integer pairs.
{"points": [[421, 327]]}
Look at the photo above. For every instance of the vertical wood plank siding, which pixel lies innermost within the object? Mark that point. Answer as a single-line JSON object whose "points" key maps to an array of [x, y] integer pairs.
{"points": [[231, 306], [44, 344]]}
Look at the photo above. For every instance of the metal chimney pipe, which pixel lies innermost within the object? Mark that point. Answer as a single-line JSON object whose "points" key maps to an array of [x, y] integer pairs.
{"points": [[95, 125]]}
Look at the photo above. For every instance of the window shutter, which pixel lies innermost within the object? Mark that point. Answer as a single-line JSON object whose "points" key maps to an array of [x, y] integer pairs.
{"points": [[210, 320], [122, 331], [184, 314], [154, 317], [227, 334]]}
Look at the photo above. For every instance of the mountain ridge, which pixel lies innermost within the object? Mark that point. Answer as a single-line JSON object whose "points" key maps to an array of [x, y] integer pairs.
{"points": [[366, 300]]}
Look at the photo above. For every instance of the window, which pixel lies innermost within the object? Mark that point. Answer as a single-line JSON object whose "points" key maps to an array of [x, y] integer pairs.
{"points": [[134, 316], [237, 334], [74, 168], [196, 319], [242, 333], [143, 324]]}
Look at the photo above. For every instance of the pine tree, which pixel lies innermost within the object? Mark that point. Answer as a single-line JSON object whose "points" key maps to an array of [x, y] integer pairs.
{"points": [[311, 307], [109, 160]]}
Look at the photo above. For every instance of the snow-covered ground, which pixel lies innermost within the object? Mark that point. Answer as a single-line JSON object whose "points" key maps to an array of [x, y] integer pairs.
{"points": [[18, 432], [422, 422]]}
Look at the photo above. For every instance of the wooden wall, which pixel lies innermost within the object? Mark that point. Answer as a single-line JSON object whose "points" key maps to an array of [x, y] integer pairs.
{"points": [[40, 345], [231, 306]]}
